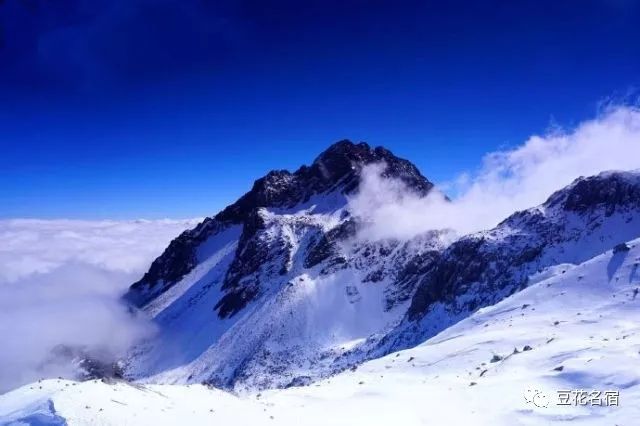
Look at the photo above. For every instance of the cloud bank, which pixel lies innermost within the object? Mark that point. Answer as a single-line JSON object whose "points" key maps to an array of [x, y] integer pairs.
{"points": [[508, 181], [60, 283]]}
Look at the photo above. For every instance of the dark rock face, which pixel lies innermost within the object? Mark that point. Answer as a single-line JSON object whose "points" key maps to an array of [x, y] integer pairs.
{"points": [[338, 169], [324, 247], [410, 274], [615, 189], [258, 255], [621, 248], [175, 262], [473, 262], [490, 265]]}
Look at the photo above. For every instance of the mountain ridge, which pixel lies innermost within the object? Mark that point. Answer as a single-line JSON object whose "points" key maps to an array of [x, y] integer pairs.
{"points": [[279, 289]]}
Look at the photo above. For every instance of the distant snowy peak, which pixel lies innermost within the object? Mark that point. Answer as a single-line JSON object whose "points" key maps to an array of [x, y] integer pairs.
{"points": [[588, 217], [611, 190], [597, 196], [333, 175]]}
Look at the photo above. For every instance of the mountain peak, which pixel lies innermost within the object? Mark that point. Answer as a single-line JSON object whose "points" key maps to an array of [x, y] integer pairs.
{"points": [[344, 150], [607, 189], [338, 168], [345, 156]]}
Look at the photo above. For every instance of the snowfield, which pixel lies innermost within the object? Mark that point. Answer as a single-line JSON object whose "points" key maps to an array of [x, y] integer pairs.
{"points": [[574, 328]]}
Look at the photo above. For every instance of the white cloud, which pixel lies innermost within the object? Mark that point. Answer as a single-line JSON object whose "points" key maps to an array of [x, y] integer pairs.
{"points": [[507, 181], [60, 283]]}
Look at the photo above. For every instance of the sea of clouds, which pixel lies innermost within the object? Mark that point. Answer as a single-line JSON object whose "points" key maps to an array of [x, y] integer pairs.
{"points": [[61, 283]]}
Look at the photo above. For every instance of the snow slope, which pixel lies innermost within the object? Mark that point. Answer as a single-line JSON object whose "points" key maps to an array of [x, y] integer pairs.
{"points": [[575, 327], [301, 322]]}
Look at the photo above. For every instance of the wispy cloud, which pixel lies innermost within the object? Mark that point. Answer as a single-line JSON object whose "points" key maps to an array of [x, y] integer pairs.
{"points": [[507, 181]]}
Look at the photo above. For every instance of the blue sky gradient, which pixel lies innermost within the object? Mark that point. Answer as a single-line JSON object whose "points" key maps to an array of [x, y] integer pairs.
{"points": [[167, 108]]}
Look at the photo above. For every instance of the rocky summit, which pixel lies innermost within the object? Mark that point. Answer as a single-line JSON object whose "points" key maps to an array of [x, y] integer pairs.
{"points": [[335, 172]]}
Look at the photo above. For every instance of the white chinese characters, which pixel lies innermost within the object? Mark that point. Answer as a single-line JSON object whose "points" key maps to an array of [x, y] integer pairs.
{"points": [[573, 397], [609, 398]]}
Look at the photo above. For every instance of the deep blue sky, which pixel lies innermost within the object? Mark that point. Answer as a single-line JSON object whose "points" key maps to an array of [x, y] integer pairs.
{"points": [[171, 108]]}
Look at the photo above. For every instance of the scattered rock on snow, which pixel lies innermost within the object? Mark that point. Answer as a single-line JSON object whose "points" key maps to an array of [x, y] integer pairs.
{"points": [[620, 248], [496, 358]]}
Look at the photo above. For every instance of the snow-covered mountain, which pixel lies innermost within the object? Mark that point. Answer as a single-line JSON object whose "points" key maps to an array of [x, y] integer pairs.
{"points": [[281, 289], [574, 328], [274, 288], [578, 222]]}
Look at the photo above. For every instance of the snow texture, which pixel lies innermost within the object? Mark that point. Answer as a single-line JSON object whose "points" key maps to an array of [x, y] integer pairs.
{"points": [[575, 327]]}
